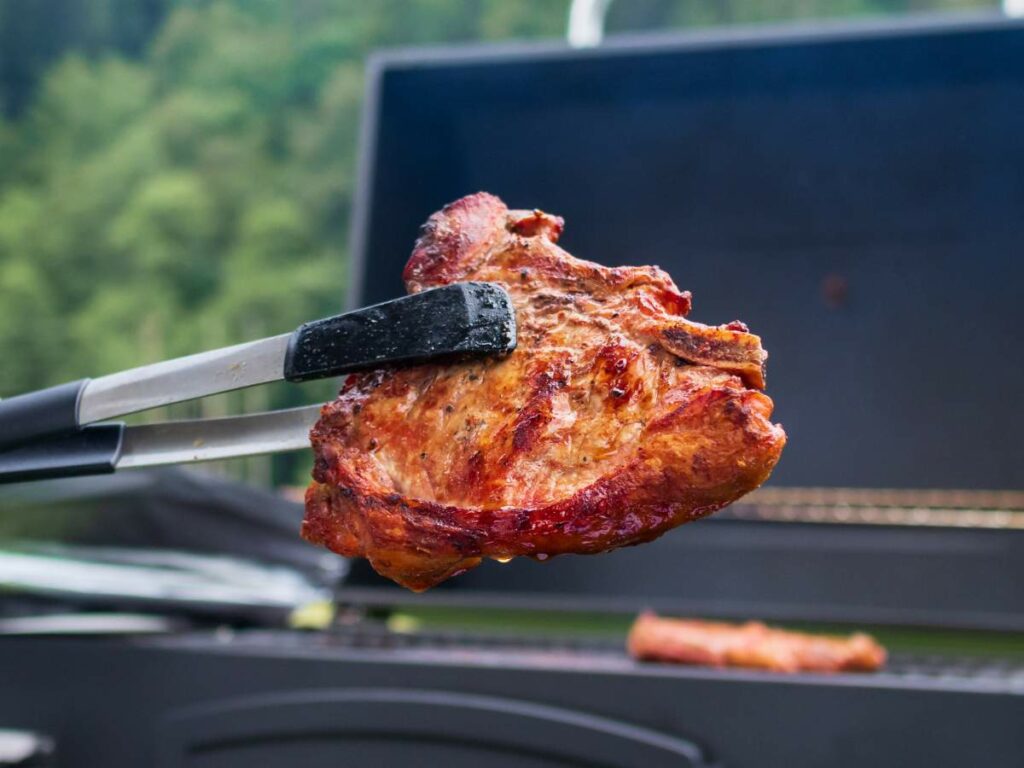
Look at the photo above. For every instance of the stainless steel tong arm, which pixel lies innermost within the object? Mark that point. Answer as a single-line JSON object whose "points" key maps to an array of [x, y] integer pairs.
{"points": [[186, 378]]}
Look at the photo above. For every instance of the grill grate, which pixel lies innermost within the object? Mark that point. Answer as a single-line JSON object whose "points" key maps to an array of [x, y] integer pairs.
{"points": [[866, 506], [608, 652], [1007, 673], [989, 673], [367, 635]]}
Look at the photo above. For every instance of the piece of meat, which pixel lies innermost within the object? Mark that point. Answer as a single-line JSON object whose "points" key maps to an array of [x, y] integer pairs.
{"points": [[717, 644], [614, 420]]}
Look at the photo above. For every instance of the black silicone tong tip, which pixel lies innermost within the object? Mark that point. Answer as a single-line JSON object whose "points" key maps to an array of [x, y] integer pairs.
{"points": [[459, 320]]}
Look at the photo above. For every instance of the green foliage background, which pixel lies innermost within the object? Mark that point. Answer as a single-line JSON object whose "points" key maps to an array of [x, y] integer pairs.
{"points": [[177, 175]]}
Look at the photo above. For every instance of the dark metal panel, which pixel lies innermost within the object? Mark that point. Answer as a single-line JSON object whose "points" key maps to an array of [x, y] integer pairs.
{"points": [[107, 702], [908, 576], [393, 726], [854, 195]]}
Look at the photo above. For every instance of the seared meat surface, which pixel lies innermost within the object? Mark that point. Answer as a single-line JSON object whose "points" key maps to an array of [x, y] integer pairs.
{"points": [[614, 420], [717, 644]]}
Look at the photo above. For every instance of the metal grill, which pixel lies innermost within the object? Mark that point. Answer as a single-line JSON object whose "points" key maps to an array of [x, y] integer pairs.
{"points": [[608, 653], [894, 507], [1001, 672]]}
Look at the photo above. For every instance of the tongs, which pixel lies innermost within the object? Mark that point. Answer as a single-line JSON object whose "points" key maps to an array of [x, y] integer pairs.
{"points": [[64, 430]]}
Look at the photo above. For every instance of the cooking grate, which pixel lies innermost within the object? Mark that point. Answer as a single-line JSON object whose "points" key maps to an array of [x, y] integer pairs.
{"points": [[608, 653], [376, 636], [868, 506], [1008, 673]]}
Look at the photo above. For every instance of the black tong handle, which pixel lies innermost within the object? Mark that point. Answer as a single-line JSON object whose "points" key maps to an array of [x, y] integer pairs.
{"points": [[452, 321], [92, 450], [46, 412]]}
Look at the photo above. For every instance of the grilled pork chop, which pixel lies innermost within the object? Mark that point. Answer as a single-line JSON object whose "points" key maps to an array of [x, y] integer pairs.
{"points": [[614, 420], [753, 645]]}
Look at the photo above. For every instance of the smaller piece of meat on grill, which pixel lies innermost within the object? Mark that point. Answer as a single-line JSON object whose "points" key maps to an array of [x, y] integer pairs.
{"points": [[753, 645]]}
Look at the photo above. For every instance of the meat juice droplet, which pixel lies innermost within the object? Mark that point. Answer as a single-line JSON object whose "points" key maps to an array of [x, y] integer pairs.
{"points": [[503, 560]]}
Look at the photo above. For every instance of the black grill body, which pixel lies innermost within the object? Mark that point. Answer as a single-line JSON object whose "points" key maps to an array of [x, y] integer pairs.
{"points": [[365, 698], [852, 192]]}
